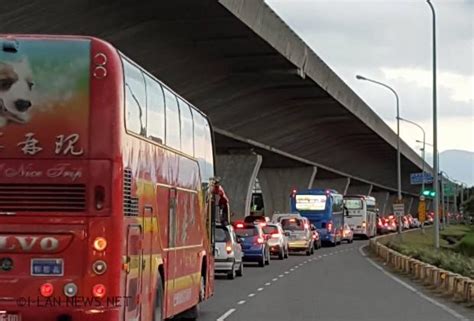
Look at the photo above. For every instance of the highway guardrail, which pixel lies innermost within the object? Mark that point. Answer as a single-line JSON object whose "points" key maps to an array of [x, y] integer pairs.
{"points": [[443, 282]]}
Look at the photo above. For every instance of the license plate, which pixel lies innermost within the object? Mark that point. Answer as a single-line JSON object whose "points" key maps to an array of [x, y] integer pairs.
{"points": [[45, 267], [10, 317]]}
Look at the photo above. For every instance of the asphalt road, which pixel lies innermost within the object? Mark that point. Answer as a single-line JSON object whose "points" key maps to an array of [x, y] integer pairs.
{"points": [[335, 284]]}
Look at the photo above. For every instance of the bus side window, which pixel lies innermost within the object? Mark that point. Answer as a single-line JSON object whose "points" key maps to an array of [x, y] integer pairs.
{"points": [[135, 99], [173, 127], [200, 143], [187, 128], [155, 111]]}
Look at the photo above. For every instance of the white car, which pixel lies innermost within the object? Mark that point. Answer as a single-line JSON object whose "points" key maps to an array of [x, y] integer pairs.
{"points": [[228, 256]]}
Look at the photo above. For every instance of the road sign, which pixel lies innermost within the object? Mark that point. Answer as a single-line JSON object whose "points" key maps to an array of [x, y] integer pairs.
{"points": [[448, 189], [417, 178], [399, 209], [422, 211]]}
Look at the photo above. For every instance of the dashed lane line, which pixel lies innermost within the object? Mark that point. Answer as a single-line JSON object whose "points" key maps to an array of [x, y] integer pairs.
{"points": [[225, 315]]}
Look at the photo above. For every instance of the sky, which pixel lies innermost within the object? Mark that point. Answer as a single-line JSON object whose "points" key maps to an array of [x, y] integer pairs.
{"points": [[391, 41]]}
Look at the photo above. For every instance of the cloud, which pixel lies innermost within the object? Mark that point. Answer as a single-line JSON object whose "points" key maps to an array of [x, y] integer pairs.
{"points": [[461, 87], [390, 41]]}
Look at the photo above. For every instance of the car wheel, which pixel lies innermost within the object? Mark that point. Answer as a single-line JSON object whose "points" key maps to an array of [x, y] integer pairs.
{"points": [[312, 249], [231, 273], [281, 255], [261, 261], [240, 271], [267, 261], [287, 252], [308, 252]]}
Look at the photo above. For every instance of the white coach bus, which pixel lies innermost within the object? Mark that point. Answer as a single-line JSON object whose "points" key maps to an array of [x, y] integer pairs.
{"points": [[361, 215]]}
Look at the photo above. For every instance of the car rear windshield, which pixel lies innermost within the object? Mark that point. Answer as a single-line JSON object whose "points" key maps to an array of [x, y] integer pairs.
{"points": [[245, 232], [292, 224], [222, 235], [270, 229]]}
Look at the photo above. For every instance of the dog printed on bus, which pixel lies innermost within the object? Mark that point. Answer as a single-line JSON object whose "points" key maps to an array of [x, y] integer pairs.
{"points": [[16, 87]]}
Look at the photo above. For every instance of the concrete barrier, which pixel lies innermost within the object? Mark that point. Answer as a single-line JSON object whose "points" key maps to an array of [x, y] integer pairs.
{"points": [[455, 286]]}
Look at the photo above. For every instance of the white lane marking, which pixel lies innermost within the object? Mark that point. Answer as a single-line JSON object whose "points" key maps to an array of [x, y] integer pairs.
{"points": [[260, 289], [268, 283], [225, 315], [275, 279], [251, 295], [412, 289], [292, 269], [241, 302], [319, 256], [325, 255], [286, 272], [281, 275]]}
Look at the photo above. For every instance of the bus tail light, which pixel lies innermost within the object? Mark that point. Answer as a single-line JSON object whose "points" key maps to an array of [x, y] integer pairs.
{"points": [[99, 267], [70, 290], [100, 244], [99, 290], [363, 224], [47, 290], [99, 197], [260, 240]]}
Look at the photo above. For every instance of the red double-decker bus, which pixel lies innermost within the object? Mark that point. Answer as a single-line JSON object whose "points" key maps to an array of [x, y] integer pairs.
{"points": [[105, 189]]}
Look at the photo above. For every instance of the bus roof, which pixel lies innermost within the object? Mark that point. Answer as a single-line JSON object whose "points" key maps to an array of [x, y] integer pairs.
{"points": [[318, 191]]}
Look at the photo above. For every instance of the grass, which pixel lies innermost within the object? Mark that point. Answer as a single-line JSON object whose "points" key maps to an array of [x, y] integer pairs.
{"points": [[456, 248]]}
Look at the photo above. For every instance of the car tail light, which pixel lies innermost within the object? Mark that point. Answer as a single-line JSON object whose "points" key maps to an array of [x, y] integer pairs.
{"points": [[385, 224], [276, 235], [260, 240], [306, 225], [292, 220], [314, 236], [99, 291], [330, 227], [228, 248], [100, 243], [47, 290], [263, 224], [239, 225]]}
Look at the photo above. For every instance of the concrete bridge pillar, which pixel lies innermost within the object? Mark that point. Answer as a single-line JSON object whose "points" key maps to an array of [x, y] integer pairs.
{"points": [[381, 199], [276, 184], [238, 173], [339, 184], [359, 188]]}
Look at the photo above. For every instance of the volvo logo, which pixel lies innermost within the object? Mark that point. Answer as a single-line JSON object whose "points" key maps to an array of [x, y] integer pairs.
{"points": [[6, 264], [12, 243]]}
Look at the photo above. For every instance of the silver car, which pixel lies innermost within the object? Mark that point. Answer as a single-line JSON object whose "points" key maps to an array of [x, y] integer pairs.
{"points": [[228, 256], [276, 239]]}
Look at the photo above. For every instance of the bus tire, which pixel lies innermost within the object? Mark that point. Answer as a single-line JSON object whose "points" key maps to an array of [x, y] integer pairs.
{"points": [[158, 305]]}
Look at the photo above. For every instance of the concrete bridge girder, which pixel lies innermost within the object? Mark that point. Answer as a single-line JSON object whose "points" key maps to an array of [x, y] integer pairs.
{"points": [[238, 174], [277, 183]]}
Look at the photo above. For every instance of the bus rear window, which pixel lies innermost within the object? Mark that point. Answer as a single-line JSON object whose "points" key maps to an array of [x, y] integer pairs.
{"points": [[311, 202], [353, 204]]}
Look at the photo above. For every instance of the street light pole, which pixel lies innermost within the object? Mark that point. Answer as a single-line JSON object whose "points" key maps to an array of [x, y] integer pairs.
{"points": [[399, 170], [435, 131], [423, 151]]}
